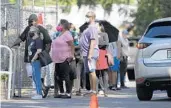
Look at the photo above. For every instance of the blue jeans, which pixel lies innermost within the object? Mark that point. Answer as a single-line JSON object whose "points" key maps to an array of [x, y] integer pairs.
{"points": [[37, 76]]}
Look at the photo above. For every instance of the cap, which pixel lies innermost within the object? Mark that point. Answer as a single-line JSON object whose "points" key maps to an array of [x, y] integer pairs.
{"points": [[33, 17]]}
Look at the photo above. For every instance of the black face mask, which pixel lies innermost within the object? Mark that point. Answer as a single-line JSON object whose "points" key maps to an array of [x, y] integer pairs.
{"points": [[31, 34], [30, 23]]}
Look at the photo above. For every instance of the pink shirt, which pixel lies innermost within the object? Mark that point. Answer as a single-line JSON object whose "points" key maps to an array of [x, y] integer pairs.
{"points": [[60, 48]]}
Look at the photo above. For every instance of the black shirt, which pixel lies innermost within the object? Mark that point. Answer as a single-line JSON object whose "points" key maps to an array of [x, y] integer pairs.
{"points": [[33, 46], [25, 37]]}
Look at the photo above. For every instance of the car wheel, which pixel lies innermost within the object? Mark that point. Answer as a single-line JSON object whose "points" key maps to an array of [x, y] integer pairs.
{"points": [[169, 93], [144, 94]]}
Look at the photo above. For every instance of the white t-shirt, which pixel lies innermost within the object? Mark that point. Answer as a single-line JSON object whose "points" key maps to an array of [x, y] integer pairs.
{"points": [[124, 45]]}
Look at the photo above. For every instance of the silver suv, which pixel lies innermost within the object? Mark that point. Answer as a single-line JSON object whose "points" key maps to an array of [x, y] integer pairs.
{"points": [[153, 60]]}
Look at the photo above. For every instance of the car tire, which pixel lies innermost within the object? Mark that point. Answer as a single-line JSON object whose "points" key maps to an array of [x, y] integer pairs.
{"points": [[169, 93], [144, 94]]}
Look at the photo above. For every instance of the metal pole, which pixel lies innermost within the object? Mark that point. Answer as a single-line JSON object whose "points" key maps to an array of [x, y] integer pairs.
{"points": [[56, 11], [5, 31], [18, 33], [33, 6], [44, 13]]}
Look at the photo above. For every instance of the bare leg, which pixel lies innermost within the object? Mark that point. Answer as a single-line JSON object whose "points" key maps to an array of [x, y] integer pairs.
{"points": [[110, 78], [93, 81], [114, 77]]}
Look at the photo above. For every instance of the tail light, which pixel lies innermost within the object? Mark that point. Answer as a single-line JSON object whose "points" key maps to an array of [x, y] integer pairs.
{"points": [[140, 80], [143, 45]]}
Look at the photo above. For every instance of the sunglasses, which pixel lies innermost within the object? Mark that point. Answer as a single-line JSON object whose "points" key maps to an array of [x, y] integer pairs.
{"points": [[88, 16]]}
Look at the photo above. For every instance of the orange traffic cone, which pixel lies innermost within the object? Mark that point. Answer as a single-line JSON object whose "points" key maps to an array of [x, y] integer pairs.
{"points": [[94, 102], [40, 19]]}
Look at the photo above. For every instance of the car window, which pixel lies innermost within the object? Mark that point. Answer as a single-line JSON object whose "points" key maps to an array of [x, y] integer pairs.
{"points": [[159, 30]]}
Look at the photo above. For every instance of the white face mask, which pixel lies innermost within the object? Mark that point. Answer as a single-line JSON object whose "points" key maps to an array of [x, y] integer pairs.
{"points": [[87, 20]]}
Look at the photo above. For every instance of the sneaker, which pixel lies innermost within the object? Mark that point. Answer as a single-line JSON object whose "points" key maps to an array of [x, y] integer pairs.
{"points": [[118, 88], [66, 96], [59, 95], [45, 91], [78, 93], [37, 97], [114, 88], [90, 93], [101, 92], [124, 87]]}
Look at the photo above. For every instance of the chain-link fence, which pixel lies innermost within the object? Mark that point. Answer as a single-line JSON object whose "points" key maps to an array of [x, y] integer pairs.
{"points": [[13, 22]]}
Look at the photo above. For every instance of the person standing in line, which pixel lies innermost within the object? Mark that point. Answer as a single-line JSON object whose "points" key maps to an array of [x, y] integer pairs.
{"points": [[124, 43], [114, 49], [102, 64], [78, 60], [24, 37], [62, 56], [35, 46], [90, 51]]}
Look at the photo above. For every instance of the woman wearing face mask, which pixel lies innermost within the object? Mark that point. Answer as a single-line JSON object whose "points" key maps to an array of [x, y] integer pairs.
{"points": [[62, 54], [35, 46]]}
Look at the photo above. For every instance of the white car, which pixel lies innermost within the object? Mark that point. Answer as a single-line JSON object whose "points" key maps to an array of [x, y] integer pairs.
{"points": [[153, 60], [131, 56]]}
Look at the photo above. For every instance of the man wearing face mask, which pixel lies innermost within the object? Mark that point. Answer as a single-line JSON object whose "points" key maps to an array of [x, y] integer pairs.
{"points": [[124, 44], [90, 51], [24, 37]]}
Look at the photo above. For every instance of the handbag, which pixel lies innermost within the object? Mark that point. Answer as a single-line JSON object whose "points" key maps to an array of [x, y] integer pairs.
{"points": [[45, 58]]}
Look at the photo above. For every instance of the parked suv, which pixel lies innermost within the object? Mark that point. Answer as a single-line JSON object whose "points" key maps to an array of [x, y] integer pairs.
{"points": [[131, 56], [153, 60]]}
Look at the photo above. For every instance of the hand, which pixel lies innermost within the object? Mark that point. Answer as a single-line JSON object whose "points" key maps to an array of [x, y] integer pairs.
{"points": [[89, 57], [32, 60], [73, 58], [118, 57]]}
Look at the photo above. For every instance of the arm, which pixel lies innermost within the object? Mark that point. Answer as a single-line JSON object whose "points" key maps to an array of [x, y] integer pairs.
{"points": [[17, 42], [36, 55], [119, 49], [93, 36], [39, 47], [69, 40], [70, 43], [92, 46], [22, 37]]}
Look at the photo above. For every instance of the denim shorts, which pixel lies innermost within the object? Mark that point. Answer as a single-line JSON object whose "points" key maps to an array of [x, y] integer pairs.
{"points": [[116, 65], [93, 61]]}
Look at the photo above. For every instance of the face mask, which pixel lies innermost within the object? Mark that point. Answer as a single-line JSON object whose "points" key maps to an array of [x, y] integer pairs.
{"points": [[87, 20], [31, 34], [59, 28]]}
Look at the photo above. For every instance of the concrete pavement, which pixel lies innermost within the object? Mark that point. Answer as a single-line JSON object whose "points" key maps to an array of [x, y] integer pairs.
{"points": [[116, 99]]}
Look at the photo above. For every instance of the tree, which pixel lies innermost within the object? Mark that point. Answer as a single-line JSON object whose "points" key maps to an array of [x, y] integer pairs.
{"points": [[149, 10], [106, 4]]}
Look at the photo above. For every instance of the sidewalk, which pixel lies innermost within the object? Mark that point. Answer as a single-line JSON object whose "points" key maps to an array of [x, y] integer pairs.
{"points": [[75, 102]]}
